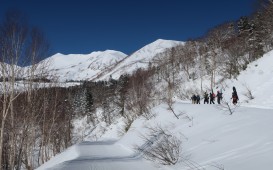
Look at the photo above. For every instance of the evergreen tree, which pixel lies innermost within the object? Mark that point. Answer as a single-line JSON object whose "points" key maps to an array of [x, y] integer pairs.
{"points": [[259, 33], [244, 26], [121, 93], [89, 106], [90, 109], [251, 31]]}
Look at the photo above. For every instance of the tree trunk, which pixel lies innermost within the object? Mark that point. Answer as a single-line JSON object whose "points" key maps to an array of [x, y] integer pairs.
{"points": [[2, 141]]}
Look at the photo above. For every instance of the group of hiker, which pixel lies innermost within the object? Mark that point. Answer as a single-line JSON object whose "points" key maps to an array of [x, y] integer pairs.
{"points": [[195, 99], [210, 98]]}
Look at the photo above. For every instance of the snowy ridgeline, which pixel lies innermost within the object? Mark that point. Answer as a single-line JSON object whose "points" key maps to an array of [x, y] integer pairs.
{"points": [[211, 137], [101, 64]]}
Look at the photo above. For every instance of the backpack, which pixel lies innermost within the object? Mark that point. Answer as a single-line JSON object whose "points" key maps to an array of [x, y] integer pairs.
{"points": [[234, 95]]}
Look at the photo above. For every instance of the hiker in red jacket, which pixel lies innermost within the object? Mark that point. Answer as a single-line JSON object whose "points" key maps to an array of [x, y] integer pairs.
{"points": [[234, 97]]}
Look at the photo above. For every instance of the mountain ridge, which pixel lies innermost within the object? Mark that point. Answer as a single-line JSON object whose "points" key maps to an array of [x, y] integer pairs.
{"points": [[100, 65], [142, 57]]}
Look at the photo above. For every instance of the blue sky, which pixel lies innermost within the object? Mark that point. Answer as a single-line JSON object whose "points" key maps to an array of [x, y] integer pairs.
{"points": [[83, 26]]}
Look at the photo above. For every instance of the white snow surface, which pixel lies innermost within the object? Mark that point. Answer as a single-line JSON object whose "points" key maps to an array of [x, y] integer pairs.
{"points": [[211, 136], [98, 155], [83, 67]]}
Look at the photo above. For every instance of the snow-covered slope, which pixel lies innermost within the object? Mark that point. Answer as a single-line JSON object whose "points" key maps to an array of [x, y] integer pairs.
{"points": [[105, 155], [8, 68], [210, 136], [258, 78], [140, 58], [83, 67], [212, 139]]}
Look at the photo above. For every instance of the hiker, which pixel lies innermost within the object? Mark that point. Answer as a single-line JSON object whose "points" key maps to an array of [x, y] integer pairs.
{"points": [[198, 99], [234, 97], [212, 96], [206, 98], [219, 96], [193, 99]]}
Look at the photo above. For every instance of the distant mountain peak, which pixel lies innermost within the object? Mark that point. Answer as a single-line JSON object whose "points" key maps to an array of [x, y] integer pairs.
{"points": [[166, 41], [140, 58], [101, 64]]}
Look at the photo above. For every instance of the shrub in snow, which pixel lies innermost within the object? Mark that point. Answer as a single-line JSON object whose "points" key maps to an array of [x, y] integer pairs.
{"points": [[225, 105], [248, 93], [160, 146]]}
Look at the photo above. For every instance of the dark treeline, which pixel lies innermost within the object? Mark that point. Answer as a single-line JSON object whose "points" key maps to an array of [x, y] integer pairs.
{"points": [[42, 126]]}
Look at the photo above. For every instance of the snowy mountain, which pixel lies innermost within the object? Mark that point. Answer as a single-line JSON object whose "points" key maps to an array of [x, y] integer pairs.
{"points": [[100, 65], [140, 58], [8, 69], [212, 138], [82, 67]]}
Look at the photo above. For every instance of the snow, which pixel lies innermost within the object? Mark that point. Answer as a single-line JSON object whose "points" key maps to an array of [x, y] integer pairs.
{"points": [[211, 137], [101, 65], [258, 78], [106, 155], [83, 67], [141, 58], [240, 141]]}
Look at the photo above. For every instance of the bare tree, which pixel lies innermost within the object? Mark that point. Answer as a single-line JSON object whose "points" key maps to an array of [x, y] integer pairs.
{"points": [[13, 33], [214, 40], [231, 58], [18, 44], [186, 57], [140, 94]]}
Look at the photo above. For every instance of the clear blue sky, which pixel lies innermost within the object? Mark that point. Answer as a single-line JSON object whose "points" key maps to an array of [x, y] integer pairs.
{"points": [[83, 26]]}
